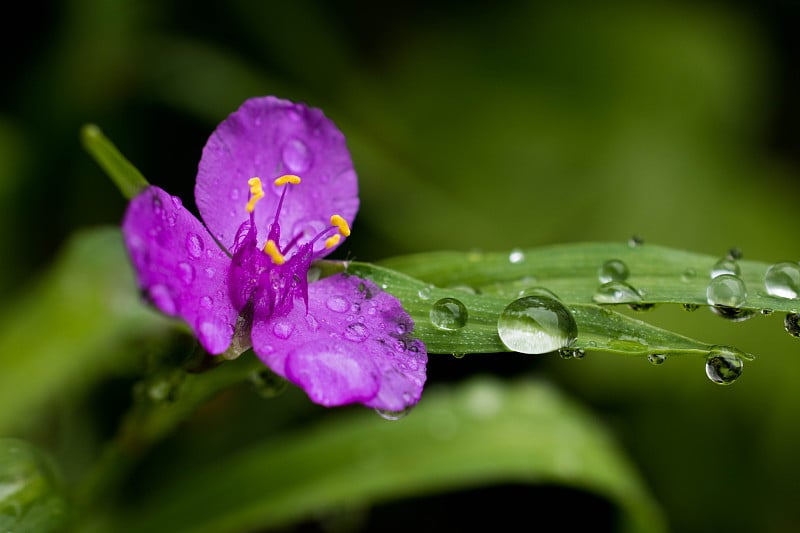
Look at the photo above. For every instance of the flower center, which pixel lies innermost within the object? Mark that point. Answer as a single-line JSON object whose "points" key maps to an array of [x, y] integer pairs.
{"points": [[333, 234]]}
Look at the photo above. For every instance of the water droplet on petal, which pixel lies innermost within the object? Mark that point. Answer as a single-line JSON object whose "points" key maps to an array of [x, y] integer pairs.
{"points": [[725, 266], [723, 365], [536, 325], [337, 304], [688, 275], [449, 314], [235, 194], [516, 256], [206, 302], [393, 415], [186, 272], [177, 202], [613, 270], [792, 324], [656, 358], [162, 298], [194, 245], [283, 329], [296, 156], [210, 272], [783, 280], [356, 332]]}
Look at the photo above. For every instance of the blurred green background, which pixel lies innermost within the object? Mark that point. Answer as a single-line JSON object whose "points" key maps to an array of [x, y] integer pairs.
{"points": [[473, 125]]}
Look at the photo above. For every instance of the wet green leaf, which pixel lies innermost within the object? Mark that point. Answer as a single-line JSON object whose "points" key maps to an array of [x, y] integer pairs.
{"points": [[476, 434], [71, 327], [31, 499]]}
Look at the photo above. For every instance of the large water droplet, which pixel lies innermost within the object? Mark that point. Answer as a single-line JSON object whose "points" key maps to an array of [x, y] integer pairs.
{"points": [[792, 324], [337, 304], [535, 325], [726, 290], [449, 314], [393, 415], [725, 265], [296, 156], [516, 256], [194, 245], [783, 280], [723, 365], [613, 270]]}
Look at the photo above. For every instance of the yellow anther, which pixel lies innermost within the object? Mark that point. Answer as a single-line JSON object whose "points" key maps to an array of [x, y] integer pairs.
{"points": [[271, 249], [256, 193], [330, 242], [339, 222], [288, 178]]}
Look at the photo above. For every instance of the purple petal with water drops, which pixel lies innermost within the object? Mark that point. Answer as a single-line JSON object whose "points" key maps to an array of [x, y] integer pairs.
{"points": [[179, 266], [268, 137], [354, 345]]}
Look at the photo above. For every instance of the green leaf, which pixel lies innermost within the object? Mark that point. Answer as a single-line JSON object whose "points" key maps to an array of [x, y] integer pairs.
{"points": [[124, 175], [475, 434], [31, 498], [599, 328], [71, 327], [661, 274]]}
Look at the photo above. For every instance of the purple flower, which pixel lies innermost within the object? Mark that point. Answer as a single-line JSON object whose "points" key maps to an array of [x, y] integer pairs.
{"points": [[341, 338]]}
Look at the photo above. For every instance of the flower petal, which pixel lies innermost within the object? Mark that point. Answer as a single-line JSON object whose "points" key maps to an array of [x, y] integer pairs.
{"points": [[179, 266], [353, 334], [266, 138]]}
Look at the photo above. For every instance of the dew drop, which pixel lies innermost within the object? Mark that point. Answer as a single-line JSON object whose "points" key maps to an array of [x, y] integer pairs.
{"points": [[635, 241], [656, 358], [393, 415], [177, 202], [783, 280], [449, 314], [162, 298], [571, 353], [356, 332], [726, 290], [425, 293], [516, 256], [337, 304], [283, 329], [616, 292], [735, 253], [725, 266], [210, 272], [296, 156], [536, 325], [538, 291], [206, 302], [690, 307], [613, 270], [459, 355], [235, 194], [723, 365], [688, 275], [186, 272], [194, 245], [792, 324]]}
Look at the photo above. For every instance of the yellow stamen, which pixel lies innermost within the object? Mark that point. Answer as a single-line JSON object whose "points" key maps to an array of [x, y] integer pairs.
{"points": [[330, 242], [271, 249], [288, 178], [256, 193], [339, 222]]}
